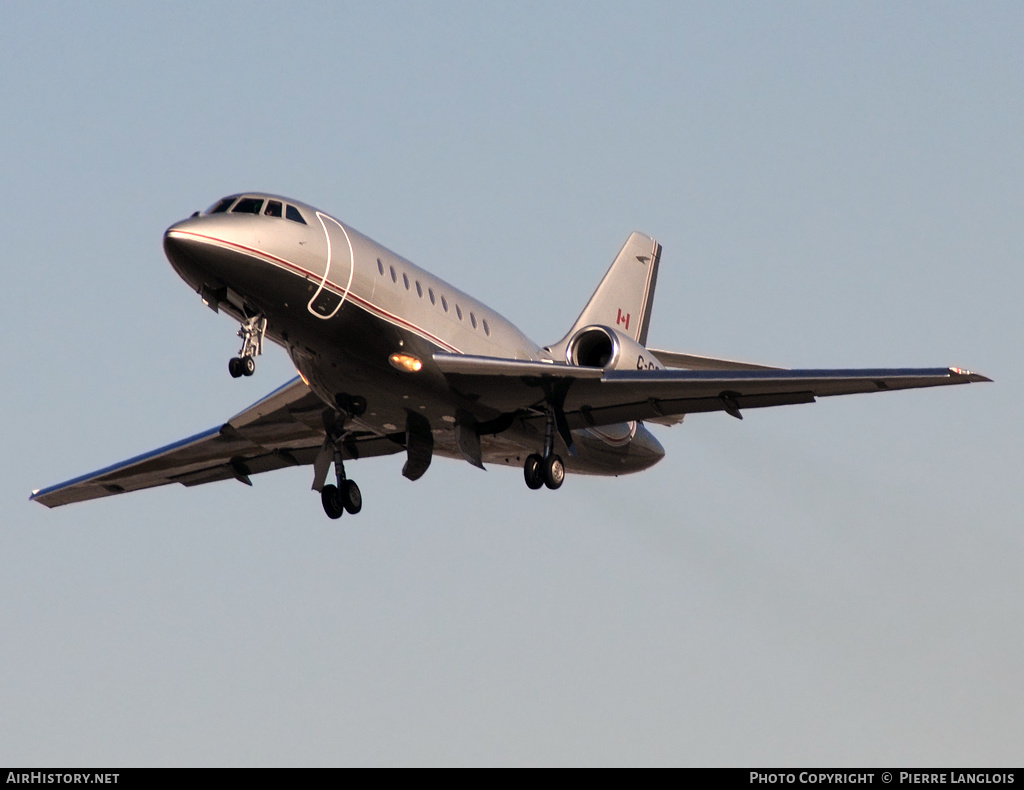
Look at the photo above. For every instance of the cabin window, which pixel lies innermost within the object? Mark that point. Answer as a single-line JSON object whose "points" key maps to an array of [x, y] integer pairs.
{"points": [[419, 289], [380, 266], [487, 329], [430, 293], [248, 206], [405, 279], [394, 274], [273, 208], [458, 312], [221, 205], [444, 303], [293, 214], [472, 320]]}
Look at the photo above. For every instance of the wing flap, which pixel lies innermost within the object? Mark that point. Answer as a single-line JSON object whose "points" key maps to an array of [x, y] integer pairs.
{"points": [[212, 475], [653, 410]]}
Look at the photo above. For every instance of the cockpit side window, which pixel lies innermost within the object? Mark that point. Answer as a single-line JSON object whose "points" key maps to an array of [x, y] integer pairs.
{"points": [[293, 214], [221, 205], [248, 206], [273, 208]]}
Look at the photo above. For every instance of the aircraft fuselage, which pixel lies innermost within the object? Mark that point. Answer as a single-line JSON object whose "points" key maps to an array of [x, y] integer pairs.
{"points": [[344, 306]]}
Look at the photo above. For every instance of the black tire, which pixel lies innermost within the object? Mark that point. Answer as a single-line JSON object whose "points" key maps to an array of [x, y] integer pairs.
{"points": [[351, 497], [554, 472], [235, 367], [354, 405], [331, 501], [532, 472], [248, 366]]}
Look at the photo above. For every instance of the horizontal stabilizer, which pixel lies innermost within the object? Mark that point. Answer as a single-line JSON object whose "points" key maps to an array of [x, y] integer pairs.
{"points": [[673, 359]]}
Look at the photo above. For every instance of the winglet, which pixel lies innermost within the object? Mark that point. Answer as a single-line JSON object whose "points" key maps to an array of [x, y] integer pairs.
{"points": [[969, 375]]}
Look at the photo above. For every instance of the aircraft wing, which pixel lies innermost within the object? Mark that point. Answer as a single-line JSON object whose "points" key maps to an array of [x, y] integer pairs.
{"points": [[283, 429], [593, 396]]}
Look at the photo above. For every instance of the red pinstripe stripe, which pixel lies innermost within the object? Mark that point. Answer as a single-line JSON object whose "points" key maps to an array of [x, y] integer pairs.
{"points": [[329, 285]]}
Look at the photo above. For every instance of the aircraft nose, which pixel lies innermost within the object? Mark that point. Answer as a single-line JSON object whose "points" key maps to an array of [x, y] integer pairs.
{"points": [[174, 237], [184, 224], [180, 247], [184, 235]]}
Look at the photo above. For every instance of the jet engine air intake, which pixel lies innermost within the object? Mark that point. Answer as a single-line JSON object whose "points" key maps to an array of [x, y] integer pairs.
{"points": [[603, 347], [594, 346]]}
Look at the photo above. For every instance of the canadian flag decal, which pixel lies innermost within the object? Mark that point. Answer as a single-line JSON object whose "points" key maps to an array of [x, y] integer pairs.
{"points": [[622, 319]]}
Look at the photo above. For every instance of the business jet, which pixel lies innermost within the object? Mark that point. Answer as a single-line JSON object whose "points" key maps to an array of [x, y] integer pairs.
{"points": [[392, 359]]}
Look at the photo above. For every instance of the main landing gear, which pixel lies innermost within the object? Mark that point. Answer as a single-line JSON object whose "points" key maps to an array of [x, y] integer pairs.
{"points": [[548, 469], [344, 494], [337, 499], [252, 332], [540, 471]]}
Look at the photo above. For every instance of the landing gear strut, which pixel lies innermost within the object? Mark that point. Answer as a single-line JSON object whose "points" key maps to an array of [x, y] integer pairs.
{"points": [[548, 469], [252, 332]]}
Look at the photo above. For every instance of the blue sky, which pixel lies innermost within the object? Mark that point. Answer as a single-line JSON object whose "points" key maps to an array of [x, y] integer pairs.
{"points": [[834, 185]]}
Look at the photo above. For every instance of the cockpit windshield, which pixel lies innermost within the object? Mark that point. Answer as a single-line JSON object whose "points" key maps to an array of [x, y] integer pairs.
{"points": [[240, 204], [222, 205], [248, 205]]}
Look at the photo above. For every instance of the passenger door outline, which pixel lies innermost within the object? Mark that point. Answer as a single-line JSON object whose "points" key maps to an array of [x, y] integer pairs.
{"points": [[325, 303]]}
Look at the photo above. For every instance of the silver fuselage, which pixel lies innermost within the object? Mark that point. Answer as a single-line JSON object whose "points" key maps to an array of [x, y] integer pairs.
{"points": [[342, 305]]}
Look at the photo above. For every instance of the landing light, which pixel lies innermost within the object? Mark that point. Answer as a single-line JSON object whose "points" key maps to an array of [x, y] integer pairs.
{"points": [[406, 362]]}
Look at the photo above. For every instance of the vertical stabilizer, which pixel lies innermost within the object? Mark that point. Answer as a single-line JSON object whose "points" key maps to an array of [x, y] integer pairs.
{"points": [[625, 296]]}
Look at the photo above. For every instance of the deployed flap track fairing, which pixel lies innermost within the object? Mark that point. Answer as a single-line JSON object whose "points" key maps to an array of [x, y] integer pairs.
{"points": [[392, 359]]}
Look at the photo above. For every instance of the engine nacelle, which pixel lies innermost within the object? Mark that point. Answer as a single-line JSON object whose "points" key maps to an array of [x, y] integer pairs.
{"points": [[603, 347]]}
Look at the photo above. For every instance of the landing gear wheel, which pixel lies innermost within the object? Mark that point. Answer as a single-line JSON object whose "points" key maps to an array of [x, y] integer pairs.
{"points": [[350, 496], [247, 366], [235, 367], [330, 499], [554, 472], [532, 471]]}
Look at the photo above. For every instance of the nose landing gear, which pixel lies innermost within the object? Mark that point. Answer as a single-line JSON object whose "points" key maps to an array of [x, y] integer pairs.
{"points": [[241, 366], [252, 332]]}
